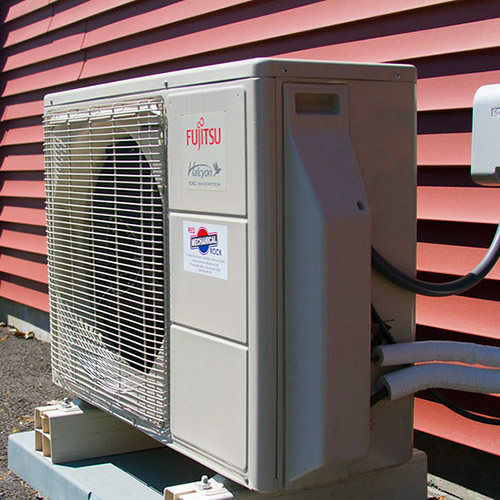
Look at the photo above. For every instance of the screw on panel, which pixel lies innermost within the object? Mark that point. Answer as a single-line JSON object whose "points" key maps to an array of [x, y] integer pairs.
{"points": [[360, 205], [397, 75], [66, 405], [284, 70], [66, 402], [204, 483]]}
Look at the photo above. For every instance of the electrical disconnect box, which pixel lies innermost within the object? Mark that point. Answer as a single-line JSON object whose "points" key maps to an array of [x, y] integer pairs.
{"points": [[209, 238], [485, 167]]}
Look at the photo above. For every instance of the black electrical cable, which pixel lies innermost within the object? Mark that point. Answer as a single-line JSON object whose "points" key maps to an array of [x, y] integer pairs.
{"points": [[459, 285], [463, 412], [378, 396], [382, 393]]}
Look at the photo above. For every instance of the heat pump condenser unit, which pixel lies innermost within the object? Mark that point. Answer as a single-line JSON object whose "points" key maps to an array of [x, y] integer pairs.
{"points": [[209, 236]]}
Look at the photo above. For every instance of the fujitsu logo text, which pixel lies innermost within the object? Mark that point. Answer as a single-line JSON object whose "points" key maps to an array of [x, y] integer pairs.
{"points": [[203, 136]]}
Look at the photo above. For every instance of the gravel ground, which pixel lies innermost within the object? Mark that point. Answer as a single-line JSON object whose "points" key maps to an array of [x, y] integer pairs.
{"points": [[26, 384]]}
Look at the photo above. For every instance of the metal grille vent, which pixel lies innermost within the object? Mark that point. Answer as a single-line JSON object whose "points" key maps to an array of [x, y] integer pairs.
{"points": [[105, 220]]}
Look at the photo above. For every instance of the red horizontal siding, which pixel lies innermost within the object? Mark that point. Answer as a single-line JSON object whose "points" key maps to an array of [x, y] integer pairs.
{"points": [[465, 37], [459, 204], [461, 314], [452, 259], [22, 215], [118, 57], [22, 189], [15, 9], [97, 33], [30, 270], [24, 242], [12, 111], [65, 42], [435, 419], [24, 295], [14, 161], [32, 26], [58, 18], [452, 91], [21, 81], [51, 19], [444, 149], [297, 19], [20, 135], [66, 13]]}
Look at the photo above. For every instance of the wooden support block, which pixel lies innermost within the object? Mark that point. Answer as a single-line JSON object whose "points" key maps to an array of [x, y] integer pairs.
{"points": [[68, 433], [39, 411], [40, 423]]}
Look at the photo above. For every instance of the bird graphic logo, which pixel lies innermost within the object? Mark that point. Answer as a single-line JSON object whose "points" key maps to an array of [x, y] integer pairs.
{"points": [[217, 169]]}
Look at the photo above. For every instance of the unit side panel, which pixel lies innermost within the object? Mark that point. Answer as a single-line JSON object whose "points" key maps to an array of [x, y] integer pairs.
{"points": [[383, 131], [327, 287], [264, 264]]}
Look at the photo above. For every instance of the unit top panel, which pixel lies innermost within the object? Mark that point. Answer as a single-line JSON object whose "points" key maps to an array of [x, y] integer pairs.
{"points": [[252, 68]]}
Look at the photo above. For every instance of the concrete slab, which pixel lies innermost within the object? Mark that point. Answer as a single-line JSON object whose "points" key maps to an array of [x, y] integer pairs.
{"points": [[142, 474], [145, 474]]}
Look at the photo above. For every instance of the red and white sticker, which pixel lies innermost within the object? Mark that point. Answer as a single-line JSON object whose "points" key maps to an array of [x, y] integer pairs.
{"points": [[205, 249]]}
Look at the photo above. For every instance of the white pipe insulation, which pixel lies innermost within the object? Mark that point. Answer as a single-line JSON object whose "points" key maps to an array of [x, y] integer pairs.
{"points": [[440, 376], [417, 352]]}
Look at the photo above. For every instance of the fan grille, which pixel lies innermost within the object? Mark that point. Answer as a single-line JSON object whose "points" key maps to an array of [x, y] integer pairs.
{"points": [[105, 183]]}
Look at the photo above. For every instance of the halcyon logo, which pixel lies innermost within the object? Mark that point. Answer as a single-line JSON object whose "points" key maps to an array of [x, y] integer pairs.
{"points": [[203, 241], [203, 170], [203, 136]]}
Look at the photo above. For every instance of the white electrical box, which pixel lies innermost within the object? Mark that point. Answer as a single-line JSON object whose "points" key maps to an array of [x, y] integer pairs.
{"points": [[209, 237], [485, 166]]}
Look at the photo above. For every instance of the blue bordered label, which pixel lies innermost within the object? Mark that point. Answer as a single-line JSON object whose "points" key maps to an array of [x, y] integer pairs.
{"points": [[205, 249]]}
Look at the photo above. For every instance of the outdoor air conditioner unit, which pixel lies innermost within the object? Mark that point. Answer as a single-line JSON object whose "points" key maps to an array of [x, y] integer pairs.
{"points": [[209, 236]]}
